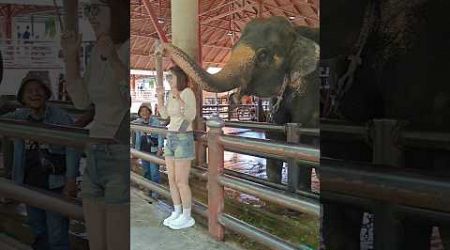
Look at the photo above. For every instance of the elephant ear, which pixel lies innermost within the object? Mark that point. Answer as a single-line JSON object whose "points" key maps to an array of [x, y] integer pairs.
{"points": [[304, 61]]}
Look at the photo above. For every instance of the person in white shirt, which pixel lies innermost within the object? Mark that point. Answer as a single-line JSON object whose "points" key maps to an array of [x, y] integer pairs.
{"points": [[105, 85], [179, 150]]}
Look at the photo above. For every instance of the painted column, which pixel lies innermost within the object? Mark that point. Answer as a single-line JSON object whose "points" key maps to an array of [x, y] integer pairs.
{"points": [[185, 35], [133, 84], [71, 15], [8, 22]]}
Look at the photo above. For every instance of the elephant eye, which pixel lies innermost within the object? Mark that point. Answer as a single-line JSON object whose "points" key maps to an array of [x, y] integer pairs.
{"points": [[262, 55]]}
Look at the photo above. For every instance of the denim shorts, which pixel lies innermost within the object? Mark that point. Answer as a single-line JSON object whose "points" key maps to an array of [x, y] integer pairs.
{"points": [[180, 146], [107, 174]]}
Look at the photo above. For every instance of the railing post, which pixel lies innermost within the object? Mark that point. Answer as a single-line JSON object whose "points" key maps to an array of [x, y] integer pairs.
{"points": [[296, 176], [385, 152], [201, 155], [215, 169], [8, 151]]}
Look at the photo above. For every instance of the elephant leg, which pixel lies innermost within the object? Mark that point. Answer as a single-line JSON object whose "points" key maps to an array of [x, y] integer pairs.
{"points": [[274, 166], [304, 177], [274, 170], [341, 226]]}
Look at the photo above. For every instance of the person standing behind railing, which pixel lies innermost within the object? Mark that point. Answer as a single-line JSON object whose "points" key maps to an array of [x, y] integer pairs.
{"points": [[149, 143], [179, 150], [106, 181], [49, 167]]}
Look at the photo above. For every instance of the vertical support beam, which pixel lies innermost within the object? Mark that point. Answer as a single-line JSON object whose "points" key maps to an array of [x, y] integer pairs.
{"points": [[201, 154], [8, 22], [200, 62], [71, 19], [185, 26], [386, 226], [297, 176], [260, 8], [159, 64], [71, 15], [8, 154], [185, 36], [201, 149], [215, 169], [133, 84]]}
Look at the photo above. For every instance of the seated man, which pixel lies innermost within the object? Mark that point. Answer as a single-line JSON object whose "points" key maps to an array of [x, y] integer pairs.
{"points": [[50, 167]]}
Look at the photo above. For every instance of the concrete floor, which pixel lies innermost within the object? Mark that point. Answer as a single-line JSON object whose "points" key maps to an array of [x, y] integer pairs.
{"points": [[148, 233]]}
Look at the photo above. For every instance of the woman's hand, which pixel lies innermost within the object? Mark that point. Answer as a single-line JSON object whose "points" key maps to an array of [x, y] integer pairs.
{"points": [[71, 43]]}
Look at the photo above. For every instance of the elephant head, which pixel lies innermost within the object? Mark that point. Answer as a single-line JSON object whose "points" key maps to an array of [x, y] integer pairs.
{"points": [[269, 50]]}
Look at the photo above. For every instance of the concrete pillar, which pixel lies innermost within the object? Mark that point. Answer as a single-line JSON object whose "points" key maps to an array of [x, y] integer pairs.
{"points": [[185, 35], [185, 26]]}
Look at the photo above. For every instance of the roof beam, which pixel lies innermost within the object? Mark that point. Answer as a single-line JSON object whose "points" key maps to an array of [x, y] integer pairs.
{"points": [[226, 14], [215, 8], [220, 28], [154, 20], [290, 12]]}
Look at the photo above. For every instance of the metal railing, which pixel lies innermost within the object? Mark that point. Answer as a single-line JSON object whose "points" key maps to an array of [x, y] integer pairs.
{"points": [[217, 179], [241, 112], [384, 186], [59, 135], [298, 178]]}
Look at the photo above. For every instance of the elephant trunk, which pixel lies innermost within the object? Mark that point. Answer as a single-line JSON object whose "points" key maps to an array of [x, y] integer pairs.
{"points": [[236, 73]]}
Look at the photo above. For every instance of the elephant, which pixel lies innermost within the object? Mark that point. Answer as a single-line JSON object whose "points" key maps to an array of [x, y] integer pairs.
{"points": [[271, 59], [401, 76]]}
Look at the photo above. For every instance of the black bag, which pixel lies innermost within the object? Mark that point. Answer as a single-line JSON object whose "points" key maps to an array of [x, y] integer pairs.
{"points": [[147, 142], [34, 174], [53, 163]]}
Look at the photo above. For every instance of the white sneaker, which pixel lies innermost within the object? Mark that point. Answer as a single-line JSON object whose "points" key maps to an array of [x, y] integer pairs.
{"points": [[172, 217], [182, 222]]}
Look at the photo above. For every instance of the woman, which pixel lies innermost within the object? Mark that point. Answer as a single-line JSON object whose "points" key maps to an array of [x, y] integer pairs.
{"points": [[179, 150], [106, 182], [149, 143]]}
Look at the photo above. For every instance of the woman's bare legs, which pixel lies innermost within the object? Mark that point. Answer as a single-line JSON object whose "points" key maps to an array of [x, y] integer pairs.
{"points": [[174, 192], [183, 169], [95, 217]]}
